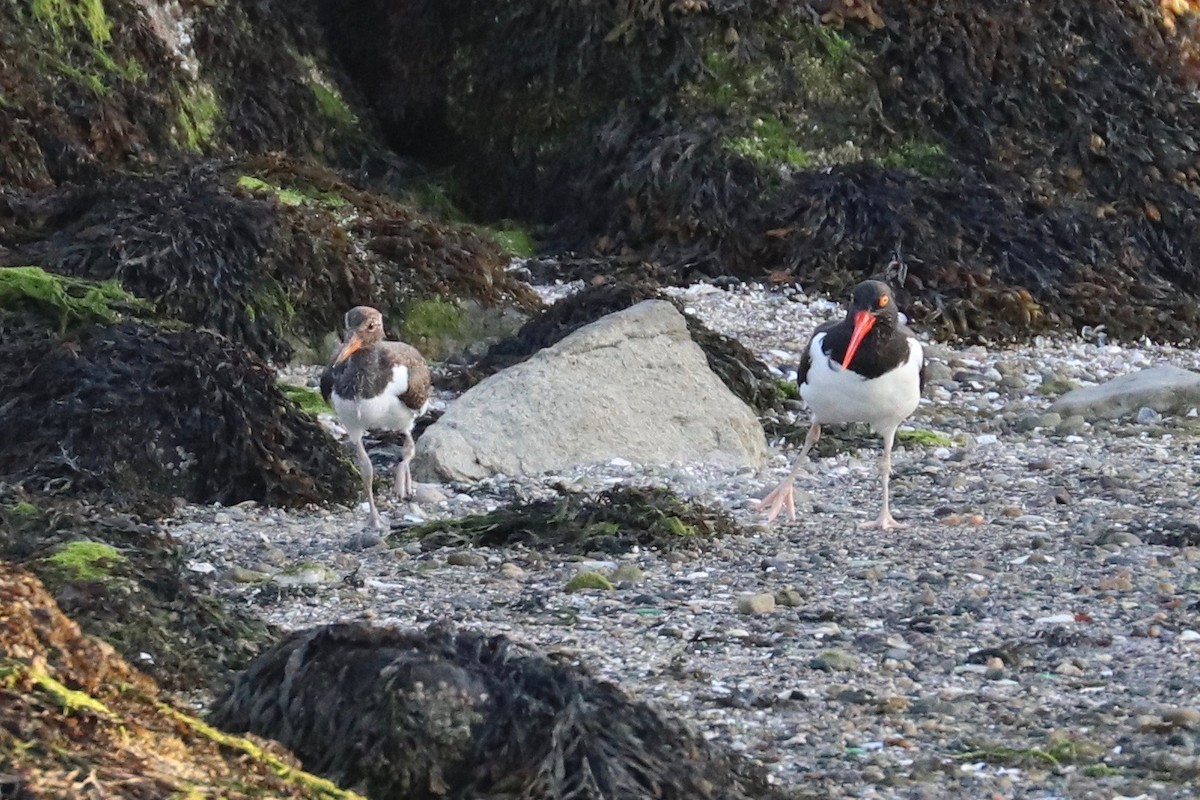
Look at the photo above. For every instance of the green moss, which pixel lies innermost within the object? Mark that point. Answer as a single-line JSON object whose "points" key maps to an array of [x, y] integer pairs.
{"points": [[330, 103], [432, 320], [61, 15], [1054, 387], [93, 81], [924, 438], [333, 107], [199, 115], [769, 143], [71, 700], [588, 580], [66, 301], [1060, 749], [291, 196], [305, 398], [788, 389], [25, 509], [86, 560], [435, 197], [1100, 770], [837, 47], [322, 785], [514, 241], [928, 159]]}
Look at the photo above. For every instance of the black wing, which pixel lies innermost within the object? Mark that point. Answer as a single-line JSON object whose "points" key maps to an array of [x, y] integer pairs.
{"points": [[806, 358]]}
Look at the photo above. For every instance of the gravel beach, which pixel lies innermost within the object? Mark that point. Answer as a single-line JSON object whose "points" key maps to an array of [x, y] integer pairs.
{"points": [[1035, 633]]}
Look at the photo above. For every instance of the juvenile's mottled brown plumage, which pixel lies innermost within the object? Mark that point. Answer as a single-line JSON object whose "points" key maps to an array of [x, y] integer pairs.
{"points": [[373, 383]]}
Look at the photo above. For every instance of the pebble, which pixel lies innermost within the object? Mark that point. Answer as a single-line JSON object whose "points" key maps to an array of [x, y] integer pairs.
{"points": [[465, 559], [756, 603], [511, 570]]}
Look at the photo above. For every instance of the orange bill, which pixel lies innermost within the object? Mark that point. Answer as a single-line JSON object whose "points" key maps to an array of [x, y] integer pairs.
{"points": [[352, 346], [863, 322]]}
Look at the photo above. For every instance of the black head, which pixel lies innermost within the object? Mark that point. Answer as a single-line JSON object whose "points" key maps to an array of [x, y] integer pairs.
{"points": [[873, 313], [876, 298]]}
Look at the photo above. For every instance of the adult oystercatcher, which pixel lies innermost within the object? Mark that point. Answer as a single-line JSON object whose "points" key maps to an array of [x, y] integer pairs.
{"points": [[865, 368], [376, 384]]}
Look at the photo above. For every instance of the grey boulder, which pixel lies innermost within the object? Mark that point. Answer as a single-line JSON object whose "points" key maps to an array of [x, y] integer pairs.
{"points": [[1167, 390], [631, 385]]}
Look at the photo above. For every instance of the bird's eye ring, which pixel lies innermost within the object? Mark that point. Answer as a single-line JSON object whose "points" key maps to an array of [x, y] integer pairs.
{"points": [[883, 301]]}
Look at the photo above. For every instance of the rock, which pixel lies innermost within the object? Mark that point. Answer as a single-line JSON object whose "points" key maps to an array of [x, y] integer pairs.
{"points": [[628, 573], [1167, 390], [756, 603], [834, 661], [789, 597], [588, 580], [511, 571], [1187, 718], [1068, 669], [632, 385], [465, 559], [428, 494]]}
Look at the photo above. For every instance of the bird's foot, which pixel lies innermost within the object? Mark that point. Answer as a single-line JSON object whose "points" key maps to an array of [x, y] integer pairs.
{"points": [[781, 497], [402, 488], [377, 521], [884, 522]]}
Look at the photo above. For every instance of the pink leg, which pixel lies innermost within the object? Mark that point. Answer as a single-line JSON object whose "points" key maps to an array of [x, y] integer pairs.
{"points": [[783, 495]]}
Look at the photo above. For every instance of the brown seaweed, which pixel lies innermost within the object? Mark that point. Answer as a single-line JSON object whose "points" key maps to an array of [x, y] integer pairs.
{"points": [[445, 714], [135, 414]]}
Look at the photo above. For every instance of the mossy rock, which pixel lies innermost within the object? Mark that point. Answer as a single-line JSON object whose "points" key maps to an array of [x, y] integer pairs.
{"points": [[585, 580], [127, 583], [612, 521], [86, 560]]}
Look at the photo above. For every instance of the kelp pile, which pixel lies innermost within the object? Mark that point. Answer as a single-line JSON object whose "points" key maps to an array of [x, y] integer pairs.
{"points": [[128, 584], [94, 86], [740, 370], [77, 721], [140, 414], [445, 714], [1016, 167], [267, 264], [612, 521]]}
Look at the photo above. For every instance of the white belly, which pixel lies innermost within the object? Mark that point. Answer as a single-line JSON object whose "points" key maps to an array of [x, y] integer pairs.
{"points": [[837, 395], [385, 411]]}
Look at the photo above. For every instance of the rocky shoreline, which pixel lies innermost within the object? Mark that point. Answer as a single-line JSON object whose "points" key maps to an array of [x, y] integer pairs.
{"points": [[1033, 634]]}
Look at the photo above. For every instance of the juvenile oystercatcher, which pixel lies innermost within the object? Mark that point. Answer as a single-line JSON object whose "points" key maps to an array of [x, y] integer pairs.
{"points": [[376, 384], [864, 368]]}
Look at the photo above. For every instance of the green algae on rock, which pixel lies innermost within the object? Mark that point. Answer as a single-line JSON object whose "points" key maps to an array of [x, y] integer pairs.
{"points": [[69, 704]]}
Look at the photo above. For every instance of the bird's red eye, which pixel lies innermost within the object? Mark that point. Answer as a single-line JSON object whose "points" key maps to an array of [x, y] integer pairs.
{"points": [[883, 301]]}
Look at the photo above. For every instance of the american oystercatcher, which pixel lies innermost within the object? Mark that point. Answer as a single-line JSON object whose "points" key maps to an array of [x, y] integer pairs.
{"points": [[865, 368], [376, 384]]}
